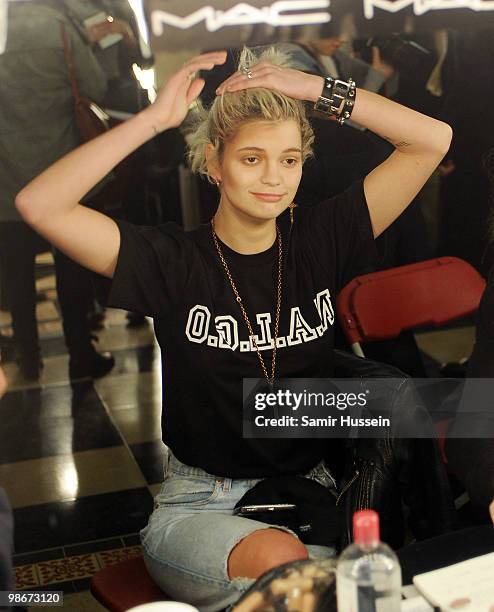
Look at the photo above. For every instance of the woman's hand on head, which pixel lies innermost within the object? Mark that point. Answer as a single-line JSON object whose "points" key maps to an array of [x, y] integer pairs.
{"points": [[288, 81], [175, 97], [491, 510]]}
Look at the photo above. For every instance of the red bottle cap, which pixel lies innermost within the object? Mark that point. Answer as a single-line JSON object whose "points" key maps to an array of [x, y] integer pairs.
{"points": [[366, 527]]}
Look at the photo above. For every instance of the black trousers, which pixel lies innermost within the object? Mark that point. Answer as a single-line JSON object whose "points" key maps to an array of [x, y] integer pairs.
{"points": [[18, 247]]}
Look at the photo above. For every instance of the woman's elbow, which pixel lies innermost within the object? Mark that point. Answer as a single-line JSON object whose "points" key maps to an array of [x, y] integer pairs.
{"points": [[25, 207], [444, 137]]}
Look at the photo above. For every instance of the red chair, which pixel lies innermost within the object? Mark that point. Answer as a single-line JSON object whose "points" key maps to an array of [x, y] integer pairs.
{"points": [[381, 305], [124, 585]]}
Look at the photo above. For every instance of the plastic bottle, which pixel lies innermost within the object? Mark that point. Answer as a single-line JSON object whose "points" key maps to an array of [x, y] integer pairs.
{"points": [[368, 575]]}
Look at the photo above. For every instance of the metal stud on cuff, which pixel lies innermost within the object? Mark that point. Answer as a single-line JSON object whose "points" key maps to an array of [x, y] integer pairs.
{"points": [[337, 99]]}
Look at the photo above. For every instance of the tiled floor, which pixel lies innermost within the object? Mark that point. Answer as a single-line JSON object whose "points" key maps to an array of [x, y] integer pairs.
{"points": [[81, 468]]}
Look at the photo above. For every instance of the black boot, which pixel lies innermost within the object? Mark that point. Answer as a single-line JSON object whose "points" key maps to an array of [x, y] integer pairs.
{"points": [[91, 364], [96, 317], [76, 295], [30, 365]]}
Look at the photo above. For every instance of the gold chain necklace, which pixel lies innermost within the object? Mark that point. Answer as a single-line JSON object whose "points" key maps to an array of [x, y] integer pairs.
{"points": [[244, 313]]}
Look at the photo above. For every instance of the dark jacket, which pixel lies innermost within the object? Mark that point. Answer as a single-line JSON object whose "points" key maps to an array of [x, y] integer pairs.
{"points": [[404, 479], [472, 459]]}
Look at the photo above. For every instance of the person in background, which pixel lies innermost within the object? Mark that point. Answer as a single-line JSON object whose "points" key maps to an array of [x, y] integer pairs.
{"points": [[115, 44], [326, 56], [37, 126], [472, 459], [465, 187]]}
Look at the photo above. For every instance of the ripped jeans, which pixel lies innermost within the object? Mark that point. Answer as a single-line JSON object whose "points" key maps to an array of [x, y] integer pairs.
{"points": [[192, 531]]}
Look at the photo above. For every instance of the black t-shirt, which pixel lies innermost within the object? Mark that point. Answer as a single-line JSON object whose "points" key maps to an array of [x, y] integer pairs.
{"points": [[177, 278]]}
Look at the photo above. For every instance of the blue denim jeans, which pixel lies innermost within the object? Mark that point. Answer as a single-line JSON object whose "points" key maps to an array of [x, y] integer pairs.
{"points": [[192, 531]]}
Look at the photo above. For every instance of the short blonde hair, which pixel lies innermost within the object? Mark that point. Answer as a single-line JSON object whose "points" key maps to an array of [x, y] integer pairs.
{"points": [[219, 124]]}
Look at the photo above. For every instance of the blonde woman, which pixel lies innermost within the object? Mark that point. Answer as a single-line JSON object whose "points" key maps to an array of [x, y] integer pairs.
{"points": [[248, 295]]}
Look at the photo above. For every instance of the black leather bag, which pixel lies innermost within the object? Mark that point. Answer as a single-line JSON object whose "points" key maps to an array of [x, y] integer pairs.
{"points": [[90, 118], [316, 520]]}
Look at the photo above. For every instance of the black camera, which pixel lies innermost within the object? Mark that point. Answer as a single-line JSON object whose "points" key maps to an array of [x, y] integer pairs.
{"points": [[398, 50]]}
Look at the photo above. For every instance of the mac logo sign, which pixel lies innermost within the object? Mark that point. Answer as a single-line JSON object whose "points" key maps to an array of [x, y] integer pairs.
{"points": [[281, 13], [420, 7]]}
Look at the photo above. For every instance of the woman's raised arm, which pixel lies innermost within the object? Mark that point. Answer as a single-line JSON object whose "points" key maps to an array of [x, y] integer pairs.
{"points": [[420, 142], [50, 202]]}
